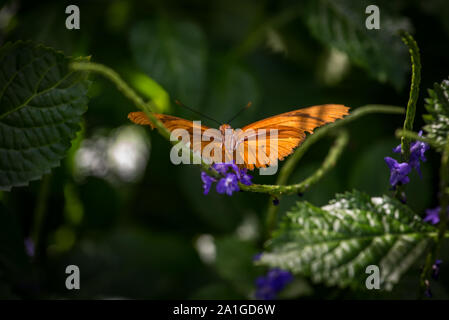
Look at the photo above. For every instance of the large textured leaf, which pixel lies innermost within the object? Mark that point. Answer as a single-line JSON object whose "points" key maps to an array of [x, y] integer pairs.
{"points": [[334, 244], [172, 53], [437, 121], [341, 24], [41, 103]]}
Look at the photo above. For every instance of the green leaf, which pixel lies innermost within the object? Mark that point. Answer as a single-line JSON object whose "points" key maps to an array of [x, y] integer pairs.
{"points": [[174, 54], [151, 90], [437, 121], [41, 103], [334, 244], [341, 24]]}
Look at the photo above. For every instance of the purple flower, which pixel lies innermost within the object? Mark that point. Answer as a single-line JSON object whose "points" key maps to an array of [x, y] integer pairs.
{"points": [[244, 177], [228, 184], [257, 256], [432, 215], [29, 247], [207, 182], [436, 269], [267, 287], [398, 171], [417, 151], [222, 168]]}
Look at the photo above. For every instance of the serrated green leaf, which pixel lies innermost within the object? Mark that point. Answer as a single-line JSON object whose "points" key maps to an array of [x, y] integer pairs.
{"points": [[334, 244], [172, 53], [437, 121], [41, 103], [341, 24]]}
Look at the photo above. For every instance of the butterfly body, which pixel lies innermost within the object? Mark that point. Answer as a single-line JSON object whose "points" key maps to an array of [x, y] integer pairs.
{"points": [[254, 145], [224, 127]]}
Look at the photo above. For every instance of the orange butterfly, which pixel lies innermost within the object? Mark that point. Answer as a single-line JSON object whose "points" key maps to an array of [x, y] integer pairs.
{"points": [[286, 131]]}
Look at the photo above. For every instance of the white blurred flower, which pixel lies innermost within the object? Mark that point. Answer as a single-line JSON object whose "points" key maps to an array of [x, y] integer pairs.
{"points": [[120, 156], [205, 246]]}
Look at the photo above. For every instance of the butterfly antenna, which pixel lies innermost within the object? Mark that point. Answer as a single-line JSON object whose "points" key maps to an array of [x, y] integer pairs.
{"points": [[179, 103], [241, 110]]}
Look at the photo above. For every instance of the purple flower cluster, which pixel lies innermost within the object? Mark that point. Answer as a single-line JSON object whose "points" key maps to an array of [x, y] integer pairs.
{"points": [[232, 175], [267, 287], [417, 150], [399, 170]]}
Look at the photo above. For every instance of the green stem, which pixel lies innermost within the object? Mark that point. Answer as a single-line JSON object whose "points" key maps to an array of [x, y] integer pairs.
{"points": [[413, 98], [414, 91]]}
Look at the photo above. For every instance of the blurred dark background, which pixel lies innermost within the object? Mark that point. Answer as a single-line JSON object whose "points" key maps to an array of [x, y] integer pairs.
{"points": [[138, 226]]}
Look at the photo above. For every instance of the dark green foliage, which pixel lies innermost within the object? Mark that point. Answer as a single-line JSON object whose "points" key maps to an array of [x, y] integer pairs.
{"points": [[172, 53], [437, 121], [341, 24]]}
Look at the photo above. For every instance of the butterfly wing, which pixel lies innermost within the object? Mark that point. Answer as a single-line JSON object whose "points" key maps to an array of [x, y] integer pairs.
{"points": [[209, 138], [291, 131], [170, 122]]}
